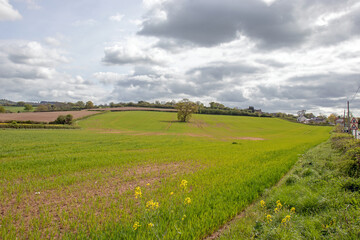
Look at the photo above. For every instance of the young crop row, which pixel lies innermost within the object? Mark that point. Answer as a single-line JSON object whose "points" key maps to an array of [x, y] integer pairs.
{"points": [[81, 184]]}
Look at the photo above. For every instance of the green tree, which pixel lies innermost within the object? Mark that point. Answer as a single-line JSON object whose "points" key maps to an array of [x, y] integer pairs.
{"points": [[185, 110], [81, 104], [28, 107], [2, 109], [42, 108], [89, 104], [332, 118], [20, 104]]}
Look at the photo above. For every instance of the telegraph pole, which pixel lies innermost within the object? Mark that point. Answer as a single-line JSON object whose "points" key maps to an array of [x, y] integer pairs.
{"points": [[348, 116]]}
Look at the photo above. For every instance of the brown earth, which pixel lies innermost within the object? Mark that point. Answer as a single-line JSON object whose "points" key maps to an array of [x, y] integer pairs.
{"points": [[43, 116]]}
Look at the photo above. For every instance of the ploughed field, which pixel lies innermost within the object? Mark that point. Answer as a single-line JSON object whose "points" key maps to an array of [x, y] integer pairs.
{"points": [[121, 176], [43, 116]]}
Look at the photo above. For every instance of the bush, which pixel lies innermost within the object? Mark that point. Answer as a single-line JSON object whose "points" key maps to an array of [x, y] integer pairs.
{"points": [[62, 119]]}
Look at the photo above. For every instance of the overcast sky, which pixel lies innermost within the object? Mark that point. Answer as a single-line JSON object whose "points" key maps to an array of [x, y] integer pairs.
{"points": [[277, 55]]}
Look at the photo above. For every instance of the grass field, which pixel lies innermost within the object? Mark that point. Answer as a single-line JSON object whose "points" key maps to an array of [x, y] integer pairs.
{"points": [[17, 109], [81, 183]]}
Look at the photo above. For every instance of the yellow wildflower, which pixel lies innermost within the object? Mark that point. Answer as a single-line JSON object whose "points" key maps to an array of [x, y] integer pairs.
{"points": [[148, 184], [187, 201], [276, 210], [278, 204], [152, 205], [262, 203], [183, 184], [150, 225], [136, 225], [285, 219], [268, 218], [172, 193], [292, 210], [183, 218], [137, 192]]}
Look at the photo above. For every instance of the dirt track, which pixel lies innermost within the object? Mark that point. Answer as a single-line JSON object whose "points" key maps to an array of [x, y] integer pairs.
{"points": [[42, 116]]}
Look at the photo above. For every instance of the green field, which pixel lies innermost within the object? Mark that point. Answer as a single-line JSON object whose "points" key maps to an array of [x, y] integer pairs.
{"points": [[17, 109], [80, 183]]}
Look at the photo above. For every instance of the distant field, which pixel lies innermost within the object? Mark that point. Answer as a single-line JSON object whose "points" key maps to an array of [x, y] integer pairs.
{"points": [[80, 183], [43, 116], [17, 109]]}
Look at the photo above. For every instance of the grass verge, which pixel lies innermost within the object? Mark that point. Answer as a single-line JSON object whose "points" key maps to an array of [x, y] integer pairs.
{"points": [[318, 199]]}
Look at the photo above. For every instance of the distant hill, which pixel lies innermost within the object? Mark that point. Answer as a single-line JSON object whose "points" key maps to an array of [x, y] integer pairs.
{"points": [[6, 102]]}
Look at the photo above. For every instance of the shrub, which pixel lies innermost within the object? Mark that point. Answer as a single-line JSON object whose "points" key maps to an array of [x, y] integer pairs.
{"points": [[62, 119]]}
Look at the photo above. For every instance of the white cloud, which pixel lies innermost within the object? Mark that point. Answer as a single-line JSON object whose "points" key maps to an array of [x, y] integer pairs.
{"points": [[29, 72], [134, 50], [117, 18], [7, 12]]}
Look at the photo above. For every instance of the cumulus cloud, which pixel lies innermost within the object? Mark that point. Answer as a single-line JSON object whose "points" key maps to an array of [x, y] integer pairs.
{"points": [[271, 24], [7, 12], [133, 51], [29, 72], [208, 23]]}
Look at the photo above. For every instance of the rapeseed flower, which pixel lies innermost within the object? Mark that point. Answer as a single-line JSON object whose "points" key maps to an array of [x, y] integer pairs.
{"points": [[187, 201], [152, 205], [285, 219], [138, 192], [292, 210], [183, 184], [136, 225]]}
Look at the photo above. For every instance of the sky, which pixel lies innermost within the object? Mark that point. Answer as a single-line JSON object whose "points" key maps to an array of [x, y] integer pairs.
{"points": [[275, 55]]}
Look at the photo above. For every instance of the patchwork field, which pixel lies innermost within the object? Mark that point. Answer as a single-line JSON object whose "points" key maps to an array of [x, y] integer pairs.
{"points": [[43, 116], [84, 183]]}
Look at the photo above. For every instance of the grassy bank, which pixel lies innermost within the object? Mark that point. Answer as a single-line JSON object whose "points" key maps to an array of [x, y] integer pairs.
{"points": [[318, 199]]}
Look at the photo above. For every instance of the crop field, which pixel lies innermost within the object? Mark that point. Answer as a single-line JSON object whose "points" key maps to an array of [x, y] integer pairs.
{"points": [[43, 116], [142, 175]]}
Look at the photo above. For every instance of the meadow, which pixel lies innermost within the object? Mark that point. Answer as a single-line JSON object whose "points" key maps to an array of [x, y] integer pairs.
{"points": [[121, 175]]}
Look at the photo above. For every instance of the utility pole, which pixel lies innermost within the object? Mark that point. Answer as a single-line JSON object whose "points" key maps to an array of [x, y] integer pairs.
{"points": [[348, 116], [344, 120]]}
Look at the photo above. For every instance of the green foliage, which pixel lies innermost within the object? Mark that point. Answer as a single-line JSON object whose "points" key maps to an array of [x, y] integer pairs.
{"points": [[100, 165], [185, 110], [42, 108], [2, 109], [89, 104], [62, 119], [28, 107]]}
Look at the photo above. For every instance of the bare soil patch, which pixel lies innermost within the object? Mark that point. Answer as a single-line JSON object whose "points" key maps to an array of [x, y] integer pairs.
{"points": [[43, 116], [249, 138]]}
